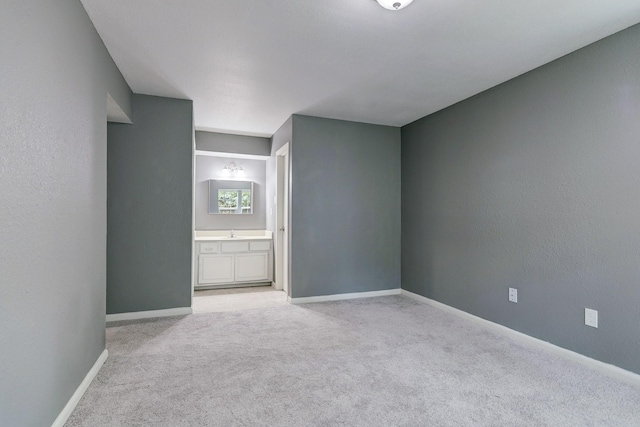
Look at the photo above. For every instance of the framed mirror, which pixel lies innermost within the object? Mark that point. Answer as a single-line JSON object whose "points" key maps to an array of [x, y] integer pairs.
{"points": [[230, 197]]}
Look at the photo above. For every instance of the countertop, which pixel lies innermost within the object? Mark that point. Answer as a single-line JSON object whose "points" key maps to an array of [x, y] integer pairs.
{"points": [[219, 235]]}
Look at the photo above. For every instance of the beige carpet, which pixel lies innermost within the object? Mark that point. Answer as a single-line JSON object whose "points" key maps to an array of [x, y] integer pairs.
{"points": [[388, 361], [233, 299]]}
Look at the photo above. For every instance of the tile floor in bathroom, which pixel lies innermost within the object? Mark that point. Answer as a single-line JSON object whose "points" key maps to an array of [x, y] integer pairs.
{"points": [[232, 299]]}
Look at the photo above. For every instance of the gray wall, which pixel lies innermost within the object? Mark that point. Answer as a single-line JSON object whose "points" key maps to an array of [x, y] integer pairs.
{"points": [[534, 185], [150, 207], [345, 212], [207, 168], [55, 77], [232, 144]]}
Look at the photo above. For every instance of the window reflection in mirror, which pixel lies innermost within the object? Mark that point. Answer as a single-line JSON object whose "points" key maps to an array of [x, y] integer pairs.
{"points": [[230, 197]]}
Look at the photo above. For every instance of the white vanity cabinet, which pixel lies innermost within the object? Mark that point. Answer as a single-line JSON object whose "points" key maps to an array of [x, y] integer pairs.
{"points": [[233, 262]]}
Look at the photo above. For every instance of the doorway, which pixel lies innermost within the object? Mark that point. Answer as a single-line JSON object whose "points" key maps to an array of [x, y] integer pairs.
{"points": [[282, 220]]}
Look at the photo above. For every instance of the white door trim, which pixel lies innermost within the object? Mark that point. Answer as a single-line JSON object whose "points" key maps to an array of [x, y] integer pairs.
{"points": [[282, 223]]}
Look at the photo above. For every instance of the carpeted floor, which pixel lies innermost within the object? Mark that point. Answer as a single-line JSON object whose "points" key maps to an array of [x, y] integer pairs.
{"points": [[386, 361], [215, 300]]}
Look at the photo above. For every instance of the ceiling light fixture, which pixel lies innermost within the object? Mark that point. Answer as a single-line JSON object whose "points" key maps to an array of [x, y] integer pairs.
{"points": [[232, 169], [394, 4]]}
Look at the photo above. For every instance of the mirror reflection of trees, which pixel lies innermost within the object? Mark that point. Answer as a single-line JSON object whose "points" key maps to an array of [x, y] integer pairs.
{"points": [[246, 201], [230, 197], [227, 201]]}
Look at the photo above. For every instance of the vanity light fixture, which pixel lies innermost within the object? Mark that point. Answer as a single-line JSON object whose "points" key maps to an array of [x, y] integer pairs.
{"points": [[231, 169], [394, 4]]}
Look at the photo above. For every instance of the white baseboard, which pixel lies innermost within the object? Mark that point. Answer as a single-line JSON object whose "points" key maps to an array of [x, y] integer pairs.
{"points": [[602, 367], [336, 297], [180, 311], [84, 385]]}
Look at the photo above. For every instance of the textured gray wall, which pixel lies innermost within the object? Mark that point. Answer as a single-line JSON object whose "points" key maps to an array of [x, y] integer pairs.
{"points": [[345, 213], [149, 207], [534, 185], [55, 77], [207, 168], [232, 144]]}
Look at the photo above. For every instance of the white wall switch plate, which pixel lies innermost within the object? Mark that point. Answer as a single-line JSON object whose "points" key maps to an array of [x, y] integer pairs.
{"points": [[513, 295], [591, 317]]}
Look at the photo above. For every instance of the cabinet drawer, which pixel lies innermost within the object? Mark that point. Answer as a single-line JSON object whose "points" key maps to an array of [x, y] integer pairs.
{"points": [[230, 247], [209, 248], [260, 246]]}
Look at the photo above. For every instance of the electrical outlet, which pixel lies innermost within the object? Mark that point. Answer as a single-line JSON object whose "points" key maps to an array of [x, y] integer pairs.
{"points": [[591, 317], [513, 295]]}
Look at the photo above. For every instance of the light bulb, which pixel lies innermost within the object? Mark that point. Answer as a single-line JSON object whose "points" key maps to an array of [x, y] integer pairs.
{"points": [[394, 4]]}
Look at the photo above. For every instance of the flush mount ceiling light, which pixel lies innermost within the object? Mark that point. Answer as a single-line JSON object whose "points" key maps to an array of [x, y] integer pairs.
{"points": [[394, 4]]}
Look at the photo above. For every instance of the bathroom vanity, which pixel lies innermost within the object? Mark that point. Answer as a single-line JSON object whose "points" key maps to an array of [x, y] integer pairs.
{"points": [[227, 259]]}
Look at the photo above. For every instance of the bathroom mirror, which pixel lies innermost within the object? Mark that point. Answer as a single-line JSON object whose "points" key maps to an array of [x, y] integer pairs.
{"points": [[230, 197]]}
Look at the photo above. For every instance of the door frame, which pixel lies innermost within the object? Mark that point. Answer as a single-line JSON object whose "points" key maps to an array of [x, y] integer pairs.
{"points": [[282, 230]]}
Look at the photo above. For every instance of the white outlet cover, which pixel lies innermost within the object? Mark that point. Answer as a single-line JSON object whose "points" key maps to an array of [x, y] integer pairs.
{"points": [[513, 295], [591, 317]]}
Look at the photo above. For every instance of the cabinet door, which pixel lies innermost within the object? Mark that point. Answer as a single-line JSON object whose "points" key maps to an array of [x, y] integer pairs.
{"points": [[215, 269], [252, 267]]}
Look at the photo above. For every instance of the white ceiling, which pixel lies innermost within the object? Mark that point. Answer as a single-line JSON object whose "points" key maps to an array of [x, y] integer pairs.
{"points": [[249, 64]]}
